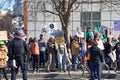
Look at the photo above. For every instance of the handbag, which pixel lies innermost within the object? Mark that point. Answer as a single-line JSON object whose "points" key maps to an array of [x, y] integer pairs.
{"points": [[12, 63]]}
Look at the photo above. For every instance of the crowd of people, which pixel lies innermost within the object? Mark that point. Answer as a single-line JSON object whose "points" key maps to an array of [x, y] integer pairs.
{"points": [[40, 53]]}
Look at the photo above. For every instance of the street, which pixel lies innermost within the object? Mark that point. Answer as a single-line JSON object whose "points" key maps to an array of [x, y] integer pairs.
{"points": [[42, 75]]}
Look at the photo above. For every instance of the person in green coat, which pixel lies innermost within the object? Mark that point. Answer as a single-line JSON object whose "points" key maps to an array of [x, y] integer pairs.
{"points": [[89, 34]]}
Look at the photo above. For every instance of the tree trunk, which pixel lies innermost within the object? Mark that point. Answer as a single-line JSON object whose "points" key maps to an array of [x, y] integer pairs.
{"points": [[66, 30], [65, 21]]}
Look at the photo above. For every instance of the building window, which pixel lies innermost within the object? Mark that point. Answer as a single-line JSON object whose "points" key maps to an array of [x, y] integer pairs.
{"points": [[90, 19]]}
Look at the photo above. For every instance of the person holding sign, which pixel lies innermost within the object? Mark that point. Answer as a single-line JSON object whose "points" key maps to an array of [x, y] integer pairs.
{"points": [[62, 56], [3, 57], [51, 51]]}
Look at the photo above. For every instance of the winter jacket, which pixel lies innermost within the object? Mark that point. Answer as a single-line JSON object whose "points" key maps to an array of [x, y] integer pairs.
{"points": [[117, 47], [75, 47], [18, 47], [108, 48], [34, 48], [51, 47], [96, 55], [42, 45], [3, 57]]}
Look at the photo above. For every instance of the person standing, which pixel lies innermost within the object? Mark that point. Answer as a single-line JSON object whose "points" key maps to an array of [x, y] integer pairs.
{"points": [[96, 60], [42, 48], [107, 51], [62, 56], [51, 51], [18, 50], [90, 34], [75, 51], [34, 48], [117, 48], [29, 52], [3, 57]]}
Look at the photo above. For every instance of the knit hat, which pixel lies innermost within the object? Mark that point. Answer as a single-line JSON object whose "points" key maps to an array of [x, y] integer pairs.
{"points": [[17, 33], [2, 42]]}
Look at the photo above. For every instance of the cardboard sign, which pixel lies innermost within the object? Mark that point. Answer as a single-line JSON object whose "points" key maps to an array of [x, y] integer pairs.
{"points": [[3, 35], [59, 37], [59, 40], [100, 44]]}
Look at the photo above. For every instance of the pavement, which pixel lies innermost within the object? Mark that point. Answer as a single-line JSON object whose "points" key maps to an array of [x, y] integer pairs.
{"points": [[43, 75]]}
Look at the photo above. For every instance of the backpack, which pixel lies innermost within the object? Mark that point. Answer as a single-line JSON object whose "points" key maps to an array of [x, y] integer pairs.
{"points": [[3, 57]]}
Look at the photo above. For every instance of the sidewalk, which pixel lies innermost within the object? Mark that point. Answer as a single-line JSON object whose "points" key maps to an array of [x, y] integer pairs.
{"points": [[42, 75]]}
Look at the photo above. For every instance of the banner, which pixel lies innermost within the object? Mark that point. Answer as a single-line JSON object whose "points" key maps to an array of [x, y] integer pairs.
{"points": [[44, 29], [3, 35], [20, 29], [117, 25]]}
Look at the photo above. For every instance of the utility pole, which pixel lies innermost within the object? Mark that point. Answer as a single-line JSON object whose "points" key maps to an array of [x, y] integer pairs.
{"points": [[25, 16]]}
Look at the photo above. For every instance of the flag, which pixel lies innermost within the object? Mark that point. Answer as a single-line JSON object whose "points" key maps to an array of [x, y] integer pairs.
{"points": [[97, 30]]}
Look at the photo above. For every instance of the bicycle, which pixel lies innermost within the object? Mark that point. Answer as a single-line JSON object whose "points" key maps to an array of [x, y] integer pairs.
{"points": [[83, 69], [116, 66]]}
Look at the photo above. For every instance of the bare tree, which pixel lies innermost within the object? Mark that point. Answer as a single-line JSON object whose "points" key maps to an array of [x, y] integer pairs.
{"points": [[63, 10], [6, 23]]}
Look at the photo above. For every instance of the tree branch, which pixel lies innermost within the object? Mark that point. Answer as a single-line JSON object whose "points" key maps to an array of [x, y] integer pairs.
{"points": [[76, 7], [57, 4], [51, 12], [2, 4]]}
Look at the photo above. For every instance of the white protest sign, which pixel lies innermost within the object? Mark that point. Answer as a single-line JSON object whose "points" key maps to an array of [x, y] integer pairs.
{"points": [[3, 35]]}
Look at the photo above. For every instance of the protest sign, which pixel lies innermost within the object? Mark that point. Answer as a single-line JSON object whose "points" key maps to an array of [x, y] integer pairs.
{"points": [[20, 29], [3, 35], [100, 44], [117, 25], [59, 37]]}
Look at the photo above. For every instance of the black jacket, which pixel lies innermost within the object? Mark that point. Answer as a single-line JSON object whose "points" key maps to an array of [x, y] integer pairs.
{"points": [[18, 47], [108, 49], [117, 47], [96, 55]]}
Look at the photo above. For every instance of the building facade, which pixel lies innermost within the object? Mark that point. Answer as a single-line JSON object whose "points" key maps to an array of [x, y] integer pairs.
{"points": [[88, 14]]}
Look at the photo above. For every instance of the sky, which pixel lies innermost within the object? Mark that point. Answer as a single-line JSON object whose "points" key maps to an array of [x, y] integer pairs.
{"points": [[8, 4]]}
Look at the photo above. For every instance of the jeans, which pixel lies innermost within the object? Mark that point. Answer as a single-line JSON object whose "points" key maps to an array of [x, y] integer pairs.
{"points": [[63, 61], [4, 72], [42, 58], [118, 58], [51, 60], [35, 62], [19, 63], [75, 61], [96, 66]]}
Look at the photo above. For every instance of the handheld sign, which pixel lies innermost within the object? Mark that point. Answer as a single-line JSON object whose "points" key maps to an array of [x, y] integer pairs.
{"points": [[3, 35]]}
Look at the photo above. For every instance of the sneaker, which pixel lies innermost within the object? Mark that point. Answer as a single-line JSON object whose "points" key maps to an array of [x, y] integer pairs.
{"points": [[65, 70], [75, 69], [34, 72], [37, 70], [52, 70], [60, 70], [47, 71]]}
